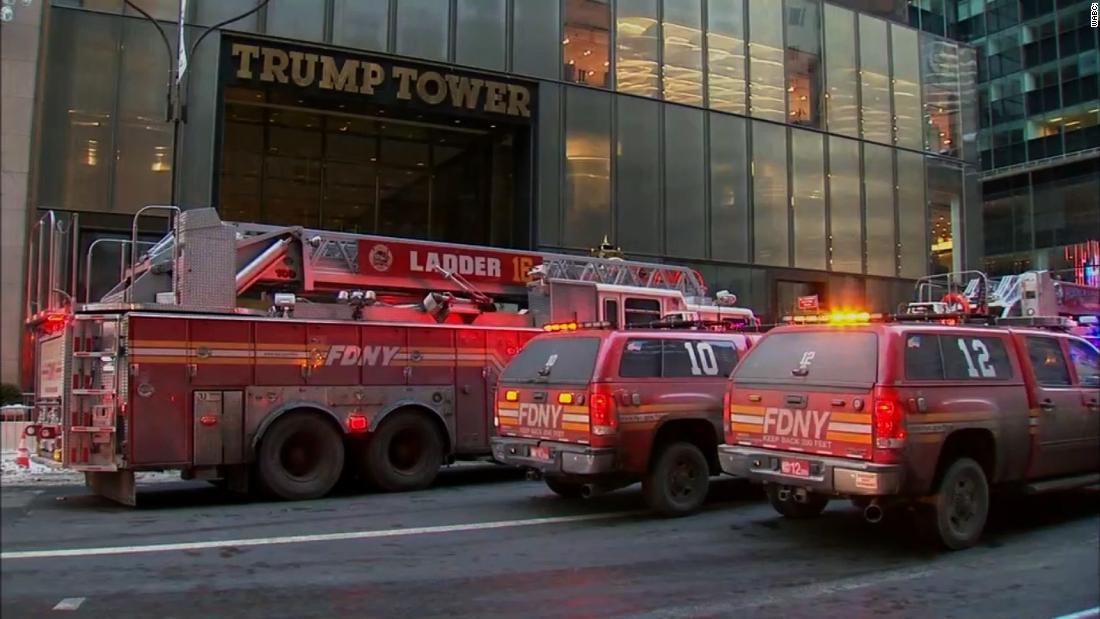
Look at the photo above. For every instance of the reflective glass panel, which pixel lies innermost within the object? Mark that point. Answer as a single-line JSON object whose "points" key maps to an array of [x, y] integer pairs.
{"points": [[729, 189], [726, 55], [683, 48], [912, 224], [805, 96], [808, 198], [878, 191], [907, 107], [536, 28], [637, 31], [941, 95], [585, 42], [685, 202], [587, 167], [422, 28], [845, 231], [874, 80], [770, 210], [296, 19], [638, 187], [479, 33], [362, 25], [945, 195], [767, 93], [841, 71]]}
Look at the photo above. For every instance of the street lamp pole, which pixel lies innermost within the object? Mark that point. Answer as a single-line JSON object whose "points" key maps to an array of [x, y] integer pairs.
{"points": [[176, 98]]}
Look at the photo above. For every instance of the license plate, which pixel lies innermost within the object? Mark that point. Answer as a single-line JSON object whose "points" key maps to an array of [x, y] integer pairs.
{"points": [[540, 453], [798, 468]]}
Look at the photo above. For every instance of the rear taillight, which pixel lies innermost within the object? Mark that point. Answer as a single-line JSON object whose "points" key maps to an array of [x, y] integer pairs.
{"points": [[887, 426], [601, 413], [727, 414]]}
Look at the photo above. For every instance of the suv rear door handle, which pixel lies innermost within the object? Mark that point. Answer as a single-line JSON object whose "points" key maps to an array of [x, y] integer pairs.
{"points": [[1047, 404]]}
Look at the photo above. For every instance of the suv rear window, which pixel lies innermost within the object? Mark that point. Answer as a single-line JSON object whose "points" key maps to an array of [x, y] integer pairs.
{"points": [[955, 357], [677, 358], [554, 360], [814, 357]]}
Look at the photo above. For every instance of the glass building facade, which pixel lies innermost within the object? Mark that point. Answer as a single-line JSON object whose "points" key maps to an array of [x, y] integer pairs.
{"points": [[783, 148], [1039, 139]]}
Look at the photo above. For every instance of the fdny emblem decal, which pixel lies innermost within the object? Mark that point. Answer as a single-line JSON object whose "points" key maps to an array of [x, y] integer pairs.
{"points": [[381, 258], [540, 415]]}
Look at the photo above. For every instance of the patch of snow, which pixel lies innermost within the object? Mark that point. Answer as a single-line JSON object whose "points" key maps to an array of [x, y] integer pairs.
{"points": [[39, 474]]}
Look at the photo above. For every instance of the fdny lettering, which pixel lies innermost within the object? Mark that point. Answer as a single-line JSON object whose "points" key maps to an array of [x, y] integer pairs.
{"points": [[798, 422], [340, 354], [480, 266], [540, 415]]}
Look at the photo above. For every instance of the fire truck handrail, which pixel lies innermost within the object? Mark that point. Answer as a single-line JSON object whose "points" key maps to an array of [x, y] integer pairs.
{"points": [[121, 262], [134, 241]]}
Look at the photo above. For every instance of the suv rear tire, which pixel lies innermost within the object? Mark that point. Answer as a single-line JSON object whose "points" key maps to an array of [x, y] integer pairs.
{"points": [[405, 453], [678, 480], [812, 508], [960, 506], [300, 457], [564, 488]]}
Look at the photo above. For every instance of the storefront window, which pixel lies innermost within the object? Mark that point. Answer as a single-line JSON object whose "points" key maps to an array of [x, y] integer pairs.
{"points": [[683, 47], [945, 191], [587, 167], [874, 80], [841, 71], [808, 198], [912, 224], [878, 191], [685, 183], [767, 92], [845, 227], [770, 206], [638, 188], [726, 55], [637, 32], [585, 42], [805, 97], [907, 107], [729, 189]]}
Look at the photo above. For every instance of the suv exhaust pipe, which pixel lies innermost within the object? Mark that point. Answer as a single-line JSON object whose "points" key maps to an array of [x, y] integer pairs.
{"points": [[589, 491], [873, 513]]}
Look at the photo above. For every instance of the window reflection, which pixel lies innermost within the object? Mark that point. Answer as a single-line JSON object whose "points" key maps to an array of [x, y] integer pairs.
{"points": [[845, 232], [637, 29], [912, 226], [878, 179], [726, 55], [877, 124], [729, 188], [944, 201], [587, 167], [585, 43], [941, 95], [907, 107], [683, 46], [767, 93], [840, 71], [803, 59], [808, 198], [770, 205]]}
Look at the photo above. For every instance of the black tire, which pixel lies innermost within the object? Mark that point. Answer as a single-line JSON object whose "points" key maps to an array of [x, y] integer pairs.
{"points": [[811, 508], [404, 454], [677, 481], [564, 488], [960, 507], [300, 457]]}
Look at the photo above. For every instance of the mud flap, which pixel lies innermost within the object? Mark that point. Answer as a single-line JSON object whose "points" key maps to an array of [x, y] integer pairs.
{"points": [[118, 486]]}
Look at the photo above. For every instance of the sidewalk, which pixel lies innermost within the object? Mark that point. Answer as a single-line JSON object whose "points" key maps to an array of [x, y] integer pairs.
{"points": [[42, 475]]}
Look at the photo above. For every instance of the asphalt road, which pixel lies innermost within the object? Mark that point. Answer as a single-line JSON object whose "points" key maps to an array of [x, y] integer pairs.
{"points": [[484, 542]]}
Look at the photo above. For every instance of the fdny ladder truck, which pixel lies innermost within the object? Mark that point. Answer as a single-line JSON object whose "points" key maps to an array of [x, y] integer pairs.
{"points": [[286, 359]]}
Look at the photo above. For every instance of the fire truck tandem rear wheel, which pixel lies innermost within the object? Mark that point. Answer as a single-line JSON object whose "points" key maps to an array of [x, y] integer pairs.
{"points": [[300, 457], [677, 482], [789, 506], [405, 453]]}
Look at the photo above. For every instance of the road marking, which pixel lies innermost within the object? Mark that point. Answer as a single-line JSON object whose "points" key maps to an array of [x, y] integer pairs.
{"points": [[1082, 614], [320, 537], [69, 604]]}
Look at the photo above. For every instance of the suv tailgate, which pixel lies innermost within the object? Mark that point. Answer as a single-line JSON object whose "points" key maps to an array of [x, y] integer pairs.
{"points": [[543, 391], [807, 391]]}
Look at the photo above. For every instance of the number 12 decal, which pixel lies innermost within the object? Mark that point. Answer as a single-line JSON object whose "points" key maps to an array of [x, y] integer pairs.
{"points": [[703, 360], [984, 369]]}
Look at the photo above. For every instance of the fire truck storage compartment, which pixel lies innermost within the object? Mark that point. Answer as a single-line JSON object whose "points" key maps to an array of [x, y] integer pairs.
{"points": [[218, 424], [574, 302]]}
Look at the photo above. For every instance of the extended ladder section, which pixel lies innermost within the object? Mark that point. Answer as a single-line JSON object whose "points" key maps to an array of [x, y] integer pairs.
{"points": [[1029, 294], [189, 266]]}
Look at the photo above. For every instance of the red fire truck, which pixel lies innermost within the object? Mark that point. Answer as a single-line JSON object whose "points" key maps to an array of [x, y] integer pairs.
{"points": [[285, 359]]}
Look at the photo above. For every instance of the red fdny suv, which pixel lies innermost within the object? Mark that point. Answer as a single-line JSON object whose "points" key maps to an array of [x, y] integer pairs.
{"points": [[914, 413], [595, 410]]}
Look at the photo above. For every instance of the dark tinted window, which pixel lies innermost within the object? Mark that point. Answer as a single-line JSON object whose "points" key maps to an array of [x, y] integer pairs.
{"points": [[922, 357], [967, 357], [554, 360], [674, 358], [641, 311], [1047, 361], [1086, 360], [641, 359], [611, 312], [820, 357]]}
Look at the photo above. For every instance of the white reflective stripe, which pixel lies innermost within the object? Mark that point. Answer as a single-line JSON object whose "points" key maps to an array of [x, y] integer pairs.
{"points": [[222, 352], [746, 419], [159, 352], [855, 428], [281, 354], [574, 418], [508, 413]]}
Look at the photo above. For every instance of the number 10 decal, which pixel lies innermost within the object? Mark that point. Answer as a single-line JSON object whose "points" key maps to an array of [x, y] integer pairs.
{"points": [[703, 360], [984, 369]]}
